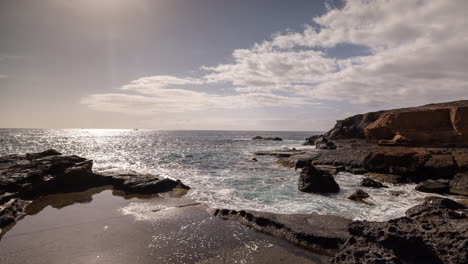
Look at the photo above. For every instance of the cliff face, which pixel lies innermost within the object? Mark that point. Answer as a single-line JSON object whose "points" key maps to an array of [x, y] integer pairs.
{"points": [[434, 124]]}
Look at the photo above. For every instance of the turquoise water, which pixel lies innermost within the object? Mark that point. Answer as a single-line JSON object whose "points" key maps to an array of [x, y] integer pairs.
{"points": [[217, 165]]}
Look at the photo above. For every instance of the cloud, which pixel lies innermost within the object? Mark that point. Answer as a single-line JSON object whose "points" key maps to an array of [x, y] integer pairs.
{"points": [[180, 101], [416, 53]]}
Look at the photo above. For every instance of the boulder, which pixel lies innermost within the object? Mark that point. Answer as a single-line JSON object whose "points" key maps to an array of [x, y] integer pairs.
{"points": [[433, 186], [459, 184], [388, 178], [313, 180], [368, 182]]}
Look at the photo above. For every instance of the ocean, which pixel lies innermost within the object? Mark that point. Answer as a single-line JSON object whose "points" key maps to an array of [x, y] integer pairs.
{"points": [[218, 167]]}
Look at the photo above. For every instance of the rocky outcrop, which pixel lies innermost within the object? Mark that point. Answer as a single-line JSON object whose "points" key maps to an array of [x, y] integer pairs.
{"points": [[434, 124], [352, 127], [433, 232], [415, 164], [313, 180], [323, 234], [267, 138], [24, 178], [396, 160]]}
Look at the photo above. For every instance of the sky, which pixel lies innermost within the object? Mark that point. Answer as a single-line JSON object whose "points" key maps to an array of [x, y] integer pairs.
{"points": [[225, 65]]}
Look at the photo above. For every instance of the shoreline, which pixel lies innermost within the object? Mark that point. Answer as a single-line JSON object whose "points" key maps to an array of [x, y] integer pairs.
{"points": [[325, 235]]}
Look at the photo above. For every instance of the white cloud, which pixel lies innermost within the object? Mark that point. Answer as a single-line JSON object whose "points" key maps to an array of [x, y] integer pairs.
{"points": [[417, 54]]}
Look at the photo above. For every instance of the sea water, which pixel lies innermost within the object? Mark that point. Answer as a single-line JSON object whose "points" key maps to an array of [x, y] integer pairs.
{"points": [[218, 167]]}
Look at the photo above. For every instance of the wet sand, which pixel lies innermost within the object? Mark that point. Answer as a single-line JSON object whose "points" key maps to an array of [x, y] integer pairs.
{"points": [[99, 227]]}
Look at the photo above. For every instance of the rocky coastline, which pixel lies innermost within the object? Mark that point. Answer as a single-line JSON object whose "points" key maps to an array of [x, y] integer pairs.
{"points": [[396, 146], [426, 145]]}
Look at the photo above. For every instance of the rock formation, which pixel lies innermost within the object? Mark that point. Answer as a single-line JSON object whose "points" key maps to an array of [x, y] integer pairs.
{"points": [[24, 178], [323, 234], [433, 232], [434, 124]]}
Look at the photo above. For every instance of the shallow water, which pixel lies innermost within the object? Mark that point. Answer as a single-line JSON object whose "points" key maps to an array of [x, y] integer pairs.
{"points": [[98, 227], [217, 166]]}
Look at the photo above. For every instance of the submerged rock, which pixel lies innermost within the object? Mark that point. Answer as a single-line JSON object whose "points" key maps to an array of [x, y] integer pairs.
{"points": [[313, 180], [433, 232], [360, 196], [368, 182], [267, 138]]}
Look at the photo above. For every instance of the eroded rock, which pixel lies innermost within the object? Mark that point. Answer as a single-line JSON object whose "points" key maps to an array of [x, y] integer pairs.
{"points": [[433, 232]]}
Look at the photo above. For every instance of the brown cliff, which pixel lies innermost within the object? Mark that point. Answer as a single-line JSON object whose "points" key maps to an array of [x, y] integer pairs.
{"points": [[433, 124]]}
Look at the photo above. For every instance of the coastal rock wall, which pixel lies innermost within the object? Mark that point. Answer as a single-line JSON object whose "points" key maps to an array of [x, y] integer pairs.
{"points": [[422, 127], [434, 124]]}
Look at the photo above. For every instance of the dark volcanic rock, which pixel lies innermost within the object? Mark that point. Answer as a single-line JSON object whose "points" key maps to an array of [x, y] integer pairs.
{"points": [[368, 182], [321, 233], [359, 196], [462, 161], [313, 180], [24, 178], [267, 138], [440, 166], [324, 143], [352, 127], [433, 232], [310, 141], [132, 182], [433, 186], [349, 153], [459, 184], [397, 160]]}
